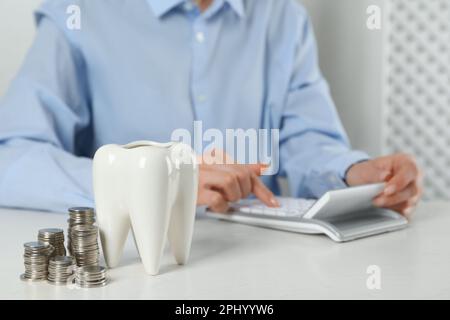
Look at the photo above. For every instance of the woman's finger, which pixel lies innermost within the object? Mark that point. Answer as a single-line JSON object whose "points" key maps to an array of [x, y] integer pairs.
{"points": [[407, 174], [224, 182], [243, 176], [215, 200], [401, 196], [405, 208], [263, 193]]}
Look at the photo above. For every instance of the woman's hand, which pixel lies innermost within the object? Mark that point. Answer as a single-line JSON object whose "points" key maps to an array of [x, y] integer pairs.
{"points": [[220, 184], [402, 176]]}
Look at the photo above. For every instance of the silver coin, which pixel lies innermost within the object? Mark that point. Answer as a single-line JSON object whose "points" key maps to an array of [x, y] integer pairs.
{"points": [[35, 275], [88, 263], [57, 283], [90, 274], [36, 268], [91, 280], [50, 231], [93, 269], [61, 259], [92, 285], [81, 210], [24, 278], [35, 245], [39, 257], [84, 228], [59, 276]]}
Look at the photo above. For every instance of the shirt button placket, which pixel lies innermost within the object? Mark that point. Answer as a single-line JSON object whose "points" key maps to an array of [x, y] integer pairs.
{"points": [[188, 6], [200, 56]]}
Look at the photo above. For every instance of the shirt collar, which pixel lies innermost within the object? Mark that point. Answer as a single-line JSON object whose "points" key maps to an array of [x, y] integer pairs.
{"points": [[161, 7], [238, 6]]}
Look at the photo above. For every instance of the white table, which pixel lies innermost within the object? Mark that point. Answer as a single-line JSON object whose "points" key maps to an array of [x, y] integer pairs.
{"points": [[232, 261]]}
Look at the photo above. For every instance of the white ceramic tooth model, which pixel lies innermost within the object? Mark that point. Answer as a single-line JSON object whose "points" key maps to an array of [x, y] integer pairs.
{"points": [[151, 188]]}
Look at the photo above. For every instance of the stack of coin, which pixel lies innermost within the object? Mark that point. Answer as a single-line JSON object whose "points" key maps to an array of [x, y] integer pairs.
{"points": [[36, 260], [55, 237], [79, 216], [60, 269], [85, 246], [91, 277]]}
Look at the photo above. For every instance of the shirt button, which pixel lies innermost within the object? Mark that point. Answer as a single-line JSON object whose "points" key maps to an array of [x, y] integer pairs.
{"points": [[201, 98], [200, 36], [188, 6]]}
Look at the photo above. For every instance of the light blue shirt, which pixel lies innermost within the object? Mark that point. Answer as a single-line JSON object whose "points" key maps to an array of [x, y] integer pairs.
{"points": [[138, 70]]}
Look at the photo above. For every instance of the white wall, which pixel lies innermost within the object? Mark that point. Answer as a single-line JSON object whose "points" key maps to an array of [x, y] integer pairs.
{"points": [[351, 58], [16, 34]]}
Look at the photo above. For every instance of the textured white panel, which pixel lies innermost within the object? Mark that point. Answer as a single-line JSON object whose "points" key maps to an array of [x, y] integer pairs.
{"points": [[416, 115]]}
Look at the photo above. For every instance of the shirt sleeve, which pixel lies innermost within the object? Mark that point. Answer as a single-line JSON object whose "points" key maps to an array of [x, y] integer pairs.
{"points": [[45, 108], [314, 149]]}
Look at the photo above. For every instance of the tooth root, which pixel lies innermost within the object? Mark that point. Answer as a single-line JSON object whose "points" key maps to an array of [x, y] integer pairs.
{"points": [[183, 214], [149, 211], [113, 222], [113, 235]]}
